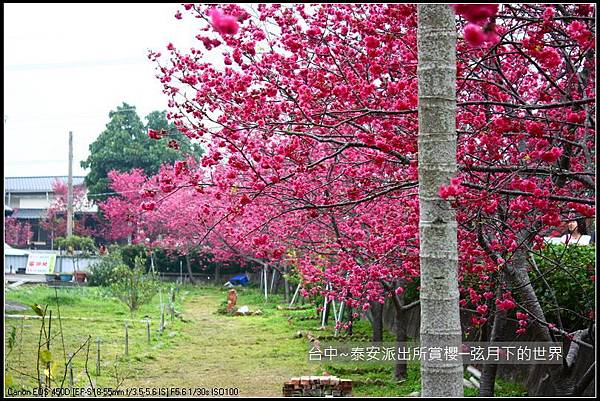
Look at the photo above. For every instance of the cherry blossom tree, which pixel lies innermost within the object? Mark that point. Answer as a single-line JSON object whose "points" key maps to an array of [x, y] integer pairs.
{"points": [[17, 233], [310, 127], [440, 317], [55, 219]]}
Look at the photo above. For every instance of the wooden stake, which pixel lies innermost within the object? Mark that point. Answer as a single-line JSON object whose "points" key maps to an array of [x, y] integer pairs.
{"points": [[324, 312], [148, 331], [265, 281], [98, 356], [70, 368], [339, 319], [126, 339], [295, 295], [273, 279]]}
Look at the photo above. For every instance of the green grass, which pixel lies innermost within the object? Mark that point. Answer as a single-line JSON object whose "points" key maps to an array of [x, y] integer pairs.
{"points": [[255, 354]]}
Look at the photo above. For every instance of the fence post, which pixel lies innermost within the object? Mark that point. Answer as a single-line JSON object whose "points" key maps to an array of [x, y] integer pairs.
{"points": [[148, 330], [98, 356], [70, 369], [126, 339]]}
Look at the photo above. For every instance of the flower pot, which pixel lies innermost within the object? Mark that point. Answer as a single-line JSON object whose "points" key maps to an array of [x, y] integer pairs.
{"points": [[52, 277], [80, 276], [66, 277]]}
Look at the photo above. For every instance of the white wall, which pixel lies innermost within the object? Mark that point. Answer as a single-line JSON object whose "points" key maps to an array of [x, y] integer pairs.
{"points": [[64, 264], [33, 202]]}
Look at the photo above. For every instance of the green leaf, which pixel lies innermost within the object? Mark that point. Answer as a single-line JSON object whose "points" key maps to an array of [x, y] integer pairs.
{"points": [[45, 356], [8, 381], [12, 337], [38, 309]]}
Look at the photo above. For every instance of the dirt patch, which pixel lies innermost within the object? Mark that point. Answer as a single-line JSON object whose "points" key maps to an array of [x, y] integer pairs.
{"points": [[13, 306]]}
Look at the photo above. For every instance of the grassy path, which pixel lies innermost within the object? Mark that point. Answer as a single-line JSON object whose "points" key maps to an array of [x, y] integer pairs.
{"points": [[254, 354]]}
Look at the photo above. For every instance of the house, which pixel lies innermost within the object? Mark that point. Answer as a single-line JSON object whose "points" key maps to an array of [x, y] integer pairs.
{"points": [[29, 199]]}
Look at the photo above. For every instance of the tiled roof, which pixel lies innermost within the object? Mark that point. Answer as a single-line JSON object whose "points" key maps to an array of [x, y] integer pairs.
{"points": [[38, 213], [35, 184]]}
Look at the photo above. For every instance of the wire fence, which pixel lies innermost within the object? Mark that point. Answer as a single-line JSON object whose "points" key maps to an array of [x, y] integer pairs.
{"points": [[72, 350]]}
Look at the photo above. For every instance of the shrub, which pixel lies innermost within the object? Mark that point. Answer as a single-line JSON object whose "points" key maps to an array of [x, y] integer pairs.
{"points": [[74, 243], [569, 272], [104, 272], [133, 286], [130, 252]]}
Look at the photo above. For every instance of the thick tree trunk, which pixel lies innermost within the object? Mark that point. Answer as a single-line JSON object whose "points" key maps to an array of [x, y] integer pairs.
{"points": [[188, 263], [377, 323], [516, 274], [440, 321]]}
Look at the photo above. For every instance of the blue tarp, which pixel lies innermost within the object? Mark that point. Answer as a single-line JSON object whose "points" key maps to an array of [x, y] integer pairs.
{"points": [[242, 279]]}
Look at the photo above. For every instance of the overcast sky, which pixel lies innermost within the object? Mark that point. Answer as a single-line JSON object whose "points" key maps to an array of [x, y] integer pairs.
{"points": [[67, 65]]}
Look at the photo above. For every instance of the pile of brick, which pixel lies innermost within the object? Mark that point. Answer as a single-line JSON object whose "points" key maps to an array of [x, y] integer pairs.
{"points": [[317, 386]]}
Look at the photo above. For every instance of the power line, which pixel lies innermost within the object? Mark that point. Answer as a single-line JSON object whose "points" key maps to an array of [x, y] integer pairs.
{"points": [[122, 192]]}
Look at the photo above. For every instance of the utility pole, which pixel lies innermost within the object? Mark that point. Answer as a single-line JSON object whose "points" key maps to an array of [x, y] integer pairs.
{"points": [[70, 191]]}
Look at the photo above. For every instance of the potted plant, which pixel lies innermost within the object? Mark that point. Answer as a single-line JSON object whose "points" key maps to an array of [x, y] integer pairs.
{"points": [[77, 247]]}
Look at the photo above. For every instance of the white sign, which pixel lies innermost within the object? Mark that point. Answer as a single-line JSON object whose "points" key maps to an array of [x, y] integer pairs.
{"points": [[40, 263]]}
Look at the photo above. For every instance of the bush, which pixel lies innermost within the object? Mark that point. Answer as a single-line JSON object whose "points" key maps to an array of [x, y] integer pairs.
{"points": [[133, 286], [104, 272], [74, 243], [130, 252], [570, 273]]}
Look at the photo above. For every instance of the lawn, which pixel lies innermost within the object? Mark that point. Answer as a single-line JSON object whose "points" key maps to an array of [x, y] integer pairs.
{"points": [[203, 349]]}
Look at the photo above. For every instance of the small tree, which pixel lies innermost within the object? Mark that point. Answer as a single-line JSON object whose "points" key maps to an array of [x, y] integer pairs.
{"points": [[133, 286], [55, 218], [77, 247]]}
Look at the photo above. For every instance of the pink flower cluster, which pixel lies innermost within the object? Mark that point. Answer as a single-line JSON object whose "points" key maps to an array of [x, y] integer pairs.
{"points": [[481, 27], [224, 24]]}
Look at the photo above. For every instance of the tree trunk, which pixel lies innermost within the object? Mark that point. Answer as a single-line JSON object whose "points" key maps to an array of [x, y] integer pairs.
{"points": [[488, 373], [188, 263], [516, 274], [440, 321], [400, 371], [217, 274], [286, 285], [377, 313], [350, 321]]}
